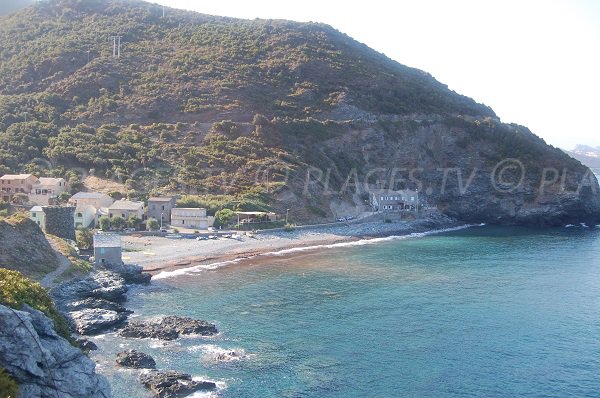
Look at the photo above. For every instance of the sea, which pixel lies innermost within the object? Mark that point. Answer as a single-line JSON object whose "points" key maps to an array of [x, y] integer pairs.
{"points": [[474, 312]]}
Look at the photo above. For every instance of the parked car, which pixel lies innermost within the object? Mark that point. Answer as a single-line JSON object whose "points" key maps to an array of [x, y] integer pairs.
{"points": [[340, 219], [211, 229], [202, 238], [349, 218], [163, 229], [173, 236], [129, 230]]}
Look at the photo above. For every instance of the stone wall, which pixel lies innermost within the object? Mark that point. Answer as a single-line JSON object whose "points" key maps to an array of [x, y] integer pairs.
{"points": [[59, 221]]}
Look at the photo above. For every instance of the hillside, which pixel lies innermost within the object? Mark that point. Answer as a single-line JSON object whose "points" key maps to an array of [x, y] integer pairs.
{"points": [[24, 248], [246, 109]]}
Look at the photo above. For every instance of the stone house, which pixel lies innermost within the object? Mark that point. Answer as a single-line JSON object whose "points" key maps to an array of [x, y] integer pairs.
{"points": [[107, 249], [126, 209], [390, 200], [191, 217], [160, 208], [46, 190], [96, 199], [11, 184]]}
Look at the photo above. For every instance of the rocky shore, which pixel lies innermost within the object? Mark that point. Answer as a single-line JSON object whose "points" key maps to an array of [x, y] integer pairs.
{"points": [[95, 304]]}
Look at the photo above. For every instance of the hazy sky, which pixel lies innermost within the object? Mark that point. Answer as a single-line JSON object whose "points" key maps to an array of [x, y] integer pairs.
{"points": [[536, 63]]}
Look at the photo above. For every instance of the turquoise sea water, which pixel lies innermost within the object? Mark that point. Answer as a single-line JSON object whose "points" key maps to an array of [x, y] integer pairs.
{"points": [[486, 311]]}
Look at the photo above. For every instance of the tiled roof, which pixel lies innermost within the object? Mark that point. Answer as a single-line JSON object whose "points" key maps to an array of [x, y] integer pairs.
{"points": [[107, 240], [126, 205], [35, 209], [49, 180], [89, 195], [14, 176], [161, 199]]}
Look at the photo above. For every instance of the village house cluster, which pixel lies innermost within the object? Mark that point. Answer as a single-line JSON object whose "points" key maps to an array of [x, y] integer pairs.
{"points": [[89, 207]]}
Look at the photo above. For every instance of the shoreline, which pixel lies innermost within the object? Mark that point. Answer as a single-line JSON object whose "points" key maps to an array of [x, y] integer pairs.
{"points": [[163, 258]]}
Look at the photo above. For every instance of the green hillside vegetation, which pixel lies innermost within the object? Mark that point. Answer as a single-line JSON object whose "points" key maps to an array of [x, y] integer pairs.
{"points": [[167, 103], [17, 290], [215, 107]]}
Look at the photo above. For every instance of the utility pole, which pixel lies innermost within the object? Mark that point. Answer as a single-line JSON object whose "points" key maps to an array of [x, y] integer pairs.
{"points": [[117, 46], [163, 11], [88, 56], [287, 212], [267, 182]]}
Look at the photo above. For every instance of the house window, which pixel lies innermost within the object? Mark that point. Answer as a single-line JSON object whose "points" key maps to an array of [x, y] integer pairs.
{"points": [[183, 221], [79, 215], [33, 215], [123, 215], [163, 207]]}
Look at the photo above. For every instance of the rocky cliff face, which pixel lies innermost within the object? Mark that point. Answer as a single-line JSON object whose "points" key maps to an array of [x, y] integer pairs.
{"points": [[24, 248], [44, 364], [474, 169]]}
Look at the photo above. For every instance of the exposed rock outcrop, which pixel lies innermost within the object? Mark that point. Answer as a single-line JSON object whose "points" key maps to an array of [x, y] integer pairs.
{"points": [[91, 321], [135, 359], [44, 364], [92, 304], [168, 328], [172, 384]]}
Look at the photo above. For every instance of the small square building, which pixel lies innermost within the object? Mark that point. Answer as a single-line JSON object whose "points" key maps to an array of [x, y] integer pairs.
{"points": [[107, 249]]}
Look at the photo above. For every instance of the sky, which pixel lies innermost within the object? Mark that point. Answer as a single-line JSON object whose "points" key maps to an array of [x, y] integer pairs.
{"points": [[536, 63]]}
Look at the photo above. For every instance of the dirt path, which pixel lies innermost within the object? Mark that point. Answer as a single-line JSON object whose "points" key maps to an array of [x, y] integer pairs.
{"points": [[63, 265]]}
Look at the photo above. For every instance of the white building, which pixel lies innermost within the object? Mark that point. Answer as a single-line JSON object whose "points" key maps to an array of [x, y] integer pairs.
{"points": [[37, 215], [126, 209], [390, 200], [85, 216], [96, 199], [46, 190], [191, 217]]}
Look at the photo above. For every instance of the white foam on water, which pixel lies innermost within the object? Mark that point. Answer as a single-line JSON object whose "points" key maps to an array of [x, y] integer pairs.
{"points": [[569, 226], [362, 242], [214, 353], [221, 385]]}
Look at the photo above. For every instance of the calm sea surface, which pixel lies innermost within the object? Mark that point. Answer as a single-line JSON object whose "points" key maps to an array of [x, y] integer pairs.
{"points": [[485, 311]]}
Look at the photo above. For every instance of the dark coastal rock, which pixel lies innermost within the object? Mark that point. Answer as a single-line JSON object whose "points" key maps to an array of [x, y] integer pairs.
{"points": [[132, 274], [104, 285], [172, 384], [91, 321], [43, 363], [186, 325], [85, 344], [142, 330], [96, 303], [135, 359], [168, 328]]}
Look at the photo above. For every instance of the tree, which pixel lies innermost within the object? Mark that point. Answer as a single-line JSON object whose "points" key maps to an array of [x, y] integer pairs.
{"points": [[152, 224], [260, 120], [84, 238], [223, 217], [104, 222], [64, 197], [134, 222], [20, 198], [117, 222]]}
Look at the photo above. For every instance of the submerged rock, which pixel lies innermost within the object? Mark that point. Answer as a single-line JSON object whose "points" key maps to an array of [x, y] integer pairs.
{"points": [[168, 328], [85, 344], [43, 363], [172, 384], [135, 359], [93, 321]]}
